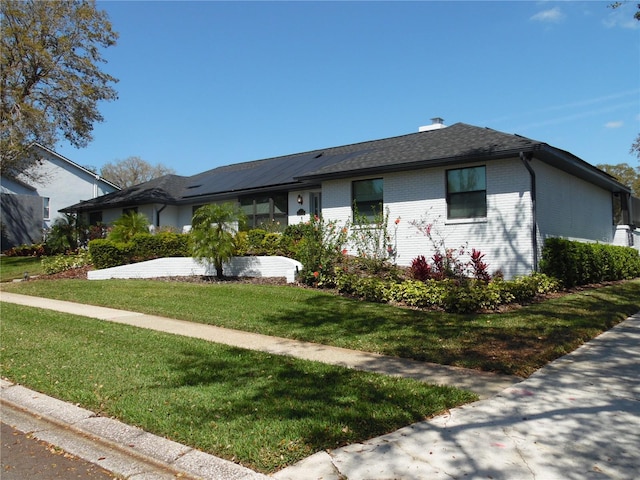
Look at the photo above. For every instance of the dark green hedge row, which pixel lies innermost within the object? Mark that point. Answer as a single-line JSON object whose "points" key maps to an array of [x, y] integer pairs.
{"points": [[143, 246], [577, 263]]}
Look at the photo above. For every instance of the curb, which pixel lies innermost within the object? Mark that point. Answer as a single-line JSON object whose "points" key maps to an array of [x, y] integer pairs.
{"points": [[127, 451]]}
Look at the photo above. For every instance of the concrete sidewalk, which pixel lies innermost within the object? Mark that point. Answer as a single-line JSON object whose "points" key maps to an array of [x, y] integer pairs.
{"points": [[577, 418]]}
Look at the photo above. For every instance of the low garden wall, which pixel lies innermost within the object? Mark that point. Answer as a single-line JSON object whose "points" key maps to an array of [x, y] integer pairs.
{"points": [[187, 266]]}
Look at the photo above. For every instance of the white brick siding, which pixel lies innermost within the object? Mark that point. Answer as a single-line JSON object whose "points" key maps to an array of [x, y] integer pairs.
{"points": [[572, 208], [504, 236]]}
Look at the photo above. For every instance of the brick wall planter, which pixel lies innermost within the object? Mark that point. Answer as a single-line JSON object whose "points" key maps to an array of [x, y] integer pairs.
{"points": [[187, 266]]}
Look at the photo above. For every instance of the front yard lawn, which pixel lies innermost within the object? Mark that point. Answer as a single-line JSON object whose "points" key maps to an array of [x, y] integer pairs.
{"points": [[15, 267], [260, 410], [515, 342]]}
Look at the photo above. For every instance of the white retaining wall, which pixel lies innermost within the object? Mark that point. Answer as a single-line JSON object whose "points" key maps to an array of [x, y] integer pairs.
{"points": [[187, 266]]}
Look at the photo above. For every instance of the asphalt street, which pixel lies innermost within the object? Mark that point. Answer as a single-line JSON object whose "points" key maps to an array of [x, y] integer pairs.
{"points": [[23, 457]]}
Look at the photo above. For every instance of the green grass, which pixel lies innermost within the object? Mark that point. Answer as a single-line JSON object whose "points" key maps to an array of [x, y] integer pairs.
{"points": [[517, 342], [15, 267], [260, 410]]}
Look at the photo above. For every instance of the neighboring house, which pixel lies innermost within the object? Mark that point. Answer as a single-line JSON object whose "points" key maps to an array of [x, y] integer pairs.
{"points": [[499, 193], [30, 208]]}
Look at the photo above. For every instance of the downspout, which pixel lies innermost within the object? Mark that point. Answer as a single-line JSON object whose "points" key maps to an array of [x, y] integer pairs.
{"points": [[526, 158], [158, 215]]}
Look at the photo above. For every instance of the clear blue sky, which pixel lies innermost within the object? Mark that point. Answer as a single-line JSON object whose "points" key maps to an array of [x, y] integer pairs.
{"points": [[204, 84]]}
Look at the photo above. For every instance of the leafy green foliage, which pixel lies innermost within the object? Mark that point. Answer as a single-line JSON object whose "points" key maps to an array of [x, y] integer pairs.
{"points": [[106, 253], [61, 263], [164, 244], [50, 78], [213, 234], [320, 250], [451, 295], [625, 174], [66, 234], [371, 239], [128, 225], [578, 263]]}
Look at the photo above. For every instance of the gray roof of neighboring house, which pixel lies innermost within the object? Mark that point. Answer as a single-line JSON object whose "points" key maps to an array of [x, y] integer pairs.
{"points": [[165, 189], [452, 145]]}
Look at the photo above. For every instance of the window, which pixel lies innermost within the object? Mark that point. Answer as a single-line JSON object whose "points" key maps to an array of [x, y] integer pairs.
{"points": [[316, 204], [264, 210], [46, 208], [466, 193], [95, 218], [367, 197], [129, 211]]}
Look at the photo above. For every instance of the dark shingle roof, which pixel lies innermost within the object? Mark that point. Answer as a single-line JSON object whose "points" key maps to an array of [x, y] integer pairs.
{"points": [[165, 189], [446, 146], [459, 142]]}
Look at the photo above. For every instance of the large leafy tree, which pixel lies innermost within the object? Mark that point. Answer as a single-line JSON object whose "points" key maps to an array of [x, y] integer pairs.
{"points": [[625, 174], [50, 80], [213, 232], [132, 171]]}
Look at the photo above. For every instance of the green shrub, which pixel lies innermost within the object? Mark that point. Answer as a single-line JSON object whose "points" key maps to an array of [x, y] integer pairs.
{"points": [[241, 244], [320, 250], [61, 263], [166, 244], [271, 244], [577, 263], [427, 294], [105, 253], [127, 226], [451, 295], [254, 240], [471, 296]]}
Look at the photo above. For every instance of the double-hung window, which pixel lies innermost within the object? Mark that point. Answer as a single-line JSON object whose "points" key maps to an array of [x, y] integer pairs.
{"points": [[367, 198], [46, 208], [466, 193]]}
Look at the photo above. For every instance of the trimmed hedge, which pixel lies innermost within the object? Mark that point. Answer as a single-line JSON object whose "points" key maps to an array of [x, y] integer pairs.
{"points": [[143, 246], [577, 263], [106, 254], [164, 244]]}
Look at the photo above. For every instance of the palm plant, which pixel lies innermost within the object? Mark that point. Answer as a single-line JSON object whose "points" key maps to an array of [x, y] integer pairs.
{"points": [[66, 234], [127, 226], [213, 232]]}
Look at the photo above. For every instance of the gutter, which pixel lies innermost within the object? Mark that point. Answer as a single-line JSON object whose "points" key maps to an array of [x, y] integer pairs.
{"points": [[526, 159], [158, 214]]}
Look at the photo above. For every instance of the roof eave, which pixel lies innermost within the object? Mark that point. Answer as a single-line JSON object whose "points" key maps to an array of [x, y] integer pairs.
{"points": [[570, 163]]}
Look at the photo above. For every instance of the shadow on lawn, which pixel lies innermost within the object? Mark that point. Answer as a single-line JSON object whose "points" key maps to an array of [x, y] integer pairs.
{"points": [[516, 342], [322, 407]]}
